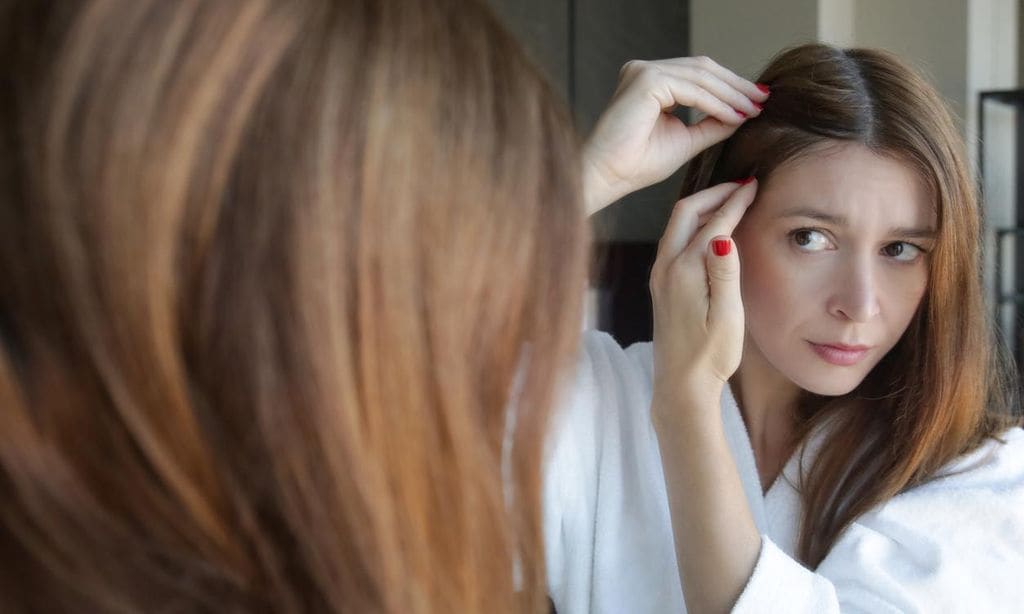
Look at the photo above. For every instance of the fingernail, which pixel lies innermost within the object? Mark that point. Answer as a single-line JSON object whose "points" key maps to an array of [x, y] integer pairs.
{"points": [[764, 88], [745, 180], [760, 107], [740, 113], [722, 247]]}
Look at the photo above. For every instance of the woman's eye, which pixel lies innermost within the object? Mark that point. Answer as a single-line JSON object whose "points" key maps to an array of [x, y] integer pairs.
{"points": [[809, 240], [902, 251]]}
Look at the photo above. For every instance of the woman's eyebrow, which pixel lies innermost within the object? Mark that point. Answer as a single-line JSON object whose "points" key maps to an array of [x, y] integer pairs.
{"points": [[913, 233], [814, 214], [839, 220]]}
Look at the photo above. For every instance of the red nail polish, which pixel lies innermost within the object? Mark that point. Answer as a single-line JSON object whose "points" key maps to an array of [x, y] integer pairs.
{"points": [[764, 88], [740, 113], [722, 247], [745, 180], [760, 107]]}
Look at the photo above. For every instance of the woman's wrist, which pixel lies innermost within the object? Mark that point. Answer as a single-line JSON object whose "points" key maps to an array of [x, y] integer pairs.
{"points": [[597, 189], [686, 411]]}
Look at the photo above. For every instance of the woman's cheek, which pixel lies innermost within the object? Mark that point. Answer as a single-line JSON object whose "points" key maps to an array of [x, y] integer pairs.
{"points": [[903, 291], [772, 283]]}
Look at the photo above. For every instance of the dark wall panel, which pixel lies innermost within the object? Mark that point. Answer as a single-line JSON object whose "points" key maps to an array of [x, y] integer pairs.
{"points": [[543, 26], [608, 34], [611, 32], [582, 44]]}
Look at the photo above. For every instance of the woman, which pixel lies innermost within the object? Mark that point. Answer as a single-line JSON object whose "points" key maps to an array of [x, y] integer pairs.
{"points": [[821, 422], [268, 272]]}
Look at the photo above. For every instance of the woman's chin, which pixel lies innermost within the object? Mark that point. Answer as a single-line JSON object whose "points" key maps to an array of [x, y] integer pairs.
{"points": [[829, 385]]}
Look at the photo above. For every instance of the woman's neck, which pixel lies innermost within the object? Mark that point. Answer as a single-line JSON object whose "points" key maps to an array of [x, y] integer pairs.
{"points": [[767, 401]]}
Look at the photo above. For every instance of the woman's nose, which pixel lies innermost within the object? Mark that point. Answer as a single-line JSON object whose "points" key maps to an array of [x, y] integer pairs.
{"points": [[855, 296]]}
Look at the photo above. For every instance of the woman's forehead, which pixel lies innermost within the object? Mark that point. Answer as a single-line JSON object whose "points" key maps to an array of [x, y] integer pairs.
{"points": [[850, 182]]}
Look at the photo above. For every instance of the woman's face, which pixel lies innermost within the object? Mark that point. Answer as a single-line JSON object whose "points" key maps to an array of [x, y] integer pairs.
{"points": [[834, 265]]}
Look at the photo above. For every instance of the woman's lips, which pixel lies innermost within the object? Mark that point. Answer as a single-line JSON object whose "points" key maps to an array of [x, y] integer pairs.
{"points": [[842, 355]]}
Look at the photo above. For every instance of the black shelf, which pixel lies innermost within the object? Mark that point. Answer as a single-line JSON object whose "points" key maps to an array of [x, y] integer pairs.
{"points": [[1007, 295]]}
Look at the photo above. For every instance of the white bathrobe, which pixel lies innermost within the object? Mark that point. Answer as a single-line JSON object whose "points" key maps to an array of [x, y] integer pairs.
{"points": [[955, 544]]}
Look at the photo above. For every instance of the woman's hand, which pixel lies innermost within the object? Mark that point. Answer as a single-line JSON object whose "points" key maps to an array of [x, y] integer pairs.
{"points": [[638, 141], [698, 342], [698, 310]]}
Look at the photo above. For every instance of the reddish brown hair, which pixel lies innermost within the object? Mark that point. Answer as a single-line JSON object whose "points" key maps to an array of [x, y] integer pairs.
{"points": [[272, 274], [945, 387]]}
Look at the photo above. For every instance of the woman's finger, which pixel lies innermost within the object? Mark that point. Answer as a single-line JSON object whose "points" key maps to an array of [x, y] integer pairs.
{"points": [[703, 134], [685, 215], [679, 91], [747, 87], [669, 89], [725, 219], [725, 301], [703, 219], [721, 89]]}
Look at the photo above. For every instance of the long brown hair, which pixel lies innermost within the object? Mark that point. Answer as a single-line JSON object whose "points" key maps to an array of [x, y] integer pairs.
{"points": [[274, 277], [945, 387]]}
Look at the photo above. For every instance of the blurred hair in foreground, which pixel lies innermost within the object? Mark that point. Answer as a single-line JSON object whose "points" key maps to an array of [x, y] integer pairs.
{"points": [[269, 273]]}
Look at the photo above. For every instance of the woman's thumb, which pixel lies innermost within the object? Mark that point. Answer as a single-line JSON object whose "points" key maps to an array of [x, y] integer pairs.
{"points": [[708, 132], [723, 265]]}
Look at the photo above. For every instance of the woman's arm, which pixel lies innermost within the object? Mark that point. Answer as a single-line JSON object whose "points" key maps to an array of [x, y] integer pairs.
{"points": [[717, 542], [698, 341], [638, 142]]}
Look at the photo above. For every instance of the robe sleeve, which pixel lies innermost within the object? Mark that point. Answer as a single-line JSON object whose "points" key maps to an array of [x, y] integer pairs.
{"points": [[607, 531], [952, 545]]}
